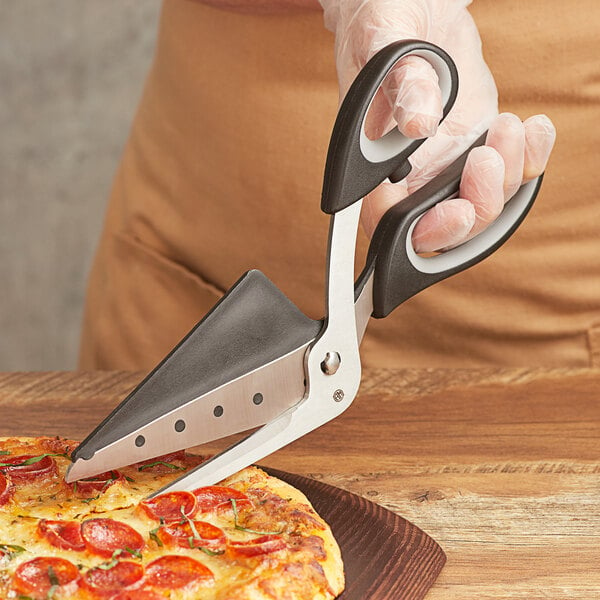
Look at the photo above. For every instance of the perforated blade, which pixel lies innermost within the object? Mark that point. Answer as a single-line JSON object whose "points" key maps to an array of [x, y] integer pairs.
{"points": [[231, 408], [328, 393], [239, 368]]}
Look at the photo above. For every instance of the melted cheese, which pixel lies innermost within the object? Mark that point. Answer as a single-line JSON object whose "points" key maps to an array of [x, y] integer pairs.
{"points": [[239, 580]]}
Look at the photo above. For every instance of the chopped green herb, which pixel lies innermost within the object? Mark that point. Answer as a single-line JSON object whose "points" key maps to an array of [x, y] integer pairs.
{"points": [[4, 452], [130, 479], [55, 583], [211, 552], [32, 460], [191, 523], [161, 462], [109, 481], [240, 528], [12, 550], [114, 559], [133, 552], [88, 500], [13, 547], [52, 576], [105, 566], [153, 533], [24, 598], [195, 534], [191, 541]]}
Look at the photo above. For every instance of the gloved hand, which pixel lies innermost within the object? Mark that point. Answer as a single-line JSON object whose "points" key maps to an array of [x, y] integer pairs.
{"points": [[411, 99]]}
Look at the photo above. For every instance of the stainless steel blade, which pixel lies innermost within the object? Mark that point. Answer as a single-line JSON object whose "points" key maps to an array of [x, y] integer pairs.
{"points": [[293, 424], [287, 427], [329, 392], [244, 403]]}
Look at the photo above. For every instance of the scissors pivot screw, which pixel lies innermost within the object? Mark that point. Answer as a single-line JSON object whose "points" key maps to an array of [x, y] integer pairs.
{"points": [[331, 363], [338, 395]]}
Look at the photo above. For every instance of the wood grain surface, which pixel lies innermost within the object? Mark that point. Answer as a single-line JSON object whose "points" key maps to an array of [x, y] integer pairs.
{"points": [[500, 467]]}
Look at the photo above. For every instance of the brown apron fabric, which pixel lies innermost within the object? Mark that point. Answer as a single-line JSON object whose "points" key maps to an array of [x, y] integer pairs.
{"points": [[223, 170]]}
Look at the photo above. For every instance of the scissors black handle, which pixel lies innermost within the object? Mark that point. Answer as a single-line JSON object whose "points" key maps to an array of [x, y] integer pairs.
{"points": [[356, 166], [400, 273]]}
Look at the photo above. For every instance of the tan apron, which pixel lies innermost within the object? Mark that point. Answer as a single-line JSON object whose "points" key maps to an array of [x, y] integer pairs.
{"points": [[223, 169]]}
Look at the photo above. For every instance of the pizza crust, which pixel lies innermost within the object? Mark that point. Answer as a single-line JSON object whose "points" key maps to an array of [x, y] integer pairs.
{"points": [[333, 565]]}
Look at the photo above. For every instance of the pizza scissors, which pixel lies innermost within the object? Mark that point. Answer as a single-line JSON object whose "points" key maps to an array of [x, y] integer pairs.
{"points": [[255, 361]]}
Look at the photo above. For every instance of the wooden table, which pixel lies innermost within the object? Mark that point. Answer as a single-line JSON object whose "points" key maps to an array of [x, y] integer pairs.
{"points": [[501, 467]]}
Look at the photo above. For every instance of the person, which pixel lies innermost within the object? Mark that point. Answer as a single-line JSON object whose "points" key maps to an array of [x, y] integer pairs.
{"points": [[223, 167]]}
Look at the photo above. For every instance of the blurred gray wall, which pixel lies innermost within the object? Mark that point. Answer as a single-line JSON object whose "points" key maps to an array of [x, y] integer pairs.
{"points": [[71, 73]]}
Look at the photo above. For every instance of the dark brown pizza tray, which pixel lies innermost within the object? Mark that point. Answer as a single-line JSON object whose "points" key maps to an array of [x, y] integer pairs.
{"points": [[385, 556]]}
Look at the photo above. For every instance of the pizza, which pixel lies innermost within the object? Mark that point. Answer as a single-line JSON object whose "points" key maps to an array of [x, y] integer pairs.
{"points": [[252, 537]]}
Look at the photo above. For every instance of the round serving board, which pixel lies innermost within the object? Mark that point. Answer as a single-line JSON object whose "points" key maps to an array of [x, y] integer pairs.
{"points": [[385, 556]]}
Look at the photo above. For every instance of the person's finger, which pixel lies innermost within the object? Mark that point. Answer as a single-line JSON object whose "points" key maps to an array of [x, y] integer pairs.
{"points": [[413, 91], [451, 222], [540, 136], [448, 223], [379, 118], [379, 201], [507, 135], [410, 97], [482, 183]]}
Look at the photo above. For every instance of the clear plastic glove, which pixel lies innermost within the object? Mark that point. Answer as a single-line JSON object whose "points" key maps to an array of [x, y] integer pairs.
{"points": [[411, 99]]}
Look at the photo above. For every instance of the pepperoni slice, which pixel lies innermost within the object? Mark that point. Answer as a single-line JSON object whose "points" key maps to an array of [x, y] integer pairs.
{"points": [[265, 544], [36, 577], [171, 506], [175, 572], [201, 535], [19, 470], [138, 595], [62, 534], [90, 486], [6, 489], [218, 498], [107, 582], [104, 536]]}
